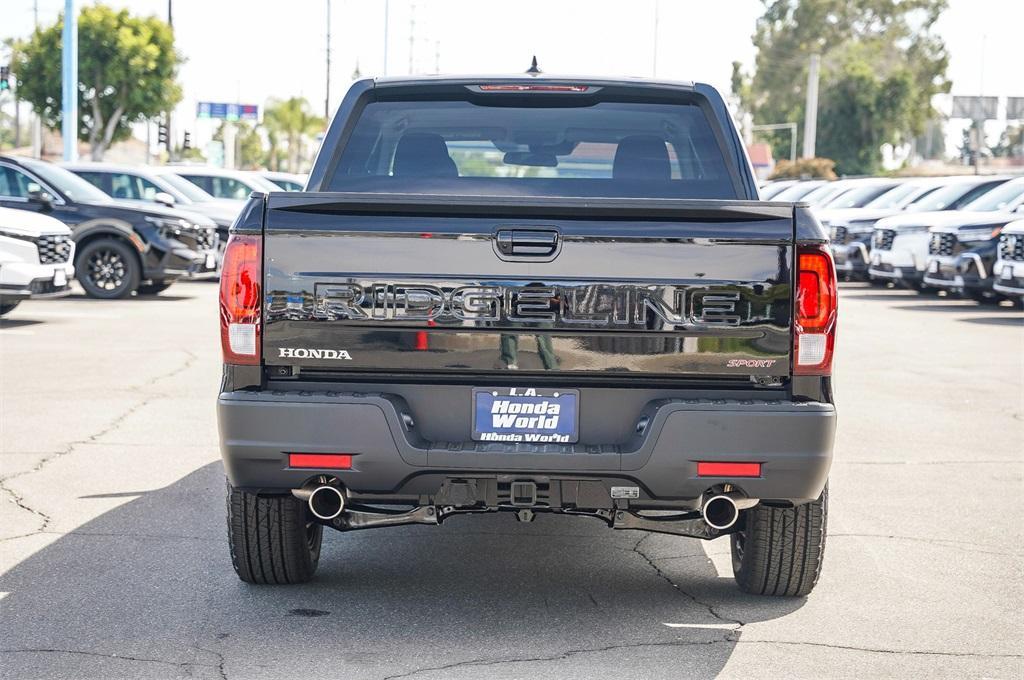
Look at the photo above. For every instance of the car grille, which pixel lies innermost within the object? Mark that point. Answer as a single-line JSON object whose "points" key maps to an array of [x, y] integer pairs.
{"points": [[53, 249], [883, 238], [942, 243], [206, 238], [1011, 247], [840, 234]]}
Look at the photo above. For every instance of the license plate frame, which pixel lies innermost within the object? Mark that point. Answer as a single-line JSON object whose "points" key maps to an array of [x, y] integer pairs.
{"points": [[564, 431], [1007, 273]]}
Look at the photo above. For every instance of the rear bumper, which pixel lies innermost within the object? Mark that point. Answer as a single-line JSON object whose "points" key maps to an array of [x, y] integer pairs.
{"points": [[792, 441]]}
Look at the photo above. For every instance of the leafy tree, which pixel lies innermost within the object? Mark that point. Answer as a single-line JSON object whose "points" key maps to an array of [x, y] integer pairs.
{"points": [[1011, 142], [880, 67], [248, 145], [293, 123], [805, 168], [126, 70]]}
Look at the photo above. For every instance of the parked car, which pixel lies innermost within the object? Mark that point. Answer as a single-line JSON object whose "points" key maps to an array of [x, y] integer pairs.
{"points": [[901, 245], [283, 180], [219, 183], [122, 247], [825, 192], [36, 255], [774, 187], [798, 191], [1008, 271], [851, 228], [153, 184]]}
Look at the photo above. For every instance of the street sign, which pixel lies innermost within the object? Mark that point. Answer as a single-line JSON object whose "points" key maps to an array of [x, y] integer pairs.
{"points": [[227, 111], [975, 108], [1015, 108]]}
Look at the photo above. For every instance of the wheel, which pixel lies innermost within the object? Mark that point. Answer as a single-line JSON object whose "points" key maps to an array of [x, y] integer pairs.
{"points": [[983, 297], [272, 538], [6, 307], [779, 550], [153, 288], [108, 268]]}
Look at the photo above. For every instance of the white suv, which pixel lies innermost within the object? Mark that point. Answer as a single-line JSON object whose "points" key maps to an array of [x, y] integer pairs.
{"points": [[36, 255]]}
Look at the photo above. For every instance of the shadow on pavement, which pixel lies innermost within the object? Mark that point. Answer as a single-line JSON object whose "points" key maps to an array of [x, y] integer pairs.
{"points": [[161, 297], [965, 306], [147, 590], [18, 323], [996, 320]]}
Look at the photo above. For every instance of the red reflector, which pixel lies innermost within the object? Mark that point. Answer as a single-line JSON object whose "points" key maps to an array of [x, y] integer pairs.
{"points": [[334, 461], [710, 469]]}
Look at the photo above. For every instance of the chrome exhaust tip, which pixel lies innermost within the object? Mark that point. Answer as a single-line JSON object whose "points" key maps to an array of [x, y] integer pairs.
{"points": [[326, 502], [720, 512]]}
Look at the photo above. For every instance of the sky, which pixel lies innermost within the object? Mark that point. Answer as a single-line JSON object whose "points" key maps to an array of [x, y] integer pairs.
{"points": [[248, 51]]}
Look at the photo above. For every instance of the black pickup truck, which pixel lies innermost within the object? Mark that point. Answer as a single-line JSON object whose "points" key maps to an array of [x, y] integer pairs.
{"points": [[529, 294]]}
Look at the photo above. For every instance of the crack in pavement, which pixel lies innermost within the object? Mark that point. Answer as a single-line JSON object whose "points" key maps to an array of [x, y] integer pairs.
{"points": [[101, 655], [20, 501], [942, 542], [730, 638], [554, 657], [114, 534], [877, 650], [710, 607], [220, 661]]}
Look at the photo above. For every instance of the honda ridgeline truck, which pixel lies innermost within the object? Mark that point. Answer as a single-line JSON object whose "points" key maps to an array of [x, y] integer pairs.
{"points": [[529, 294]]}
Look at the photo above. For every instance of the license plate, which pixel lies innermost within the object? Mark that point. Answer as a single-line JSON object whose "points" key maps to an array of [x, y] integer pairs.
{"points": [[933, 267], [521, 414], [211, 261], [876, 259], [60, 278], [1007, 273]]}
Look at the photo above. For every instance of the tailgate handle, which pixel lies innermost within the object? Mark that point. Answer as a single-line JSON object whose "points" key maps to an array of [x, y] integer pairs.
{"points": [[527, 243]]}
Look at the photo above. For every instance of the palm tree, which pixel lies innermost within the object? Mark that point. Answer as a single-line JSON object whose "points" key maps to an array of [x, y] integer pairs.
{"points": [[293, 121]]}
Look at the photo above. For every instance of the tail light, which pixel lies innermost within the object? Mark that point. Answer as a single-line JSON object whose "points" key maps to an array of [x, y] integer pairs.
{"points": [[815, 314], [240, 285]]}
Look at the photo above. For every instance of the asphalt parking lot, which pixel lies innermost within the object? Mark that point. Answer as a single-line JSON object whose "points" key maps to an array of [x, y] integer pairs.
{"points": [[115, 563]]}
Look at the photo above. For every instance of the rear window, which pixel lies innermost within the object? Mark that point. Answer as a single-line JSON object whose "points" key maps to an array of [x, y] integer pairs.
{"points": [[617, 149]]}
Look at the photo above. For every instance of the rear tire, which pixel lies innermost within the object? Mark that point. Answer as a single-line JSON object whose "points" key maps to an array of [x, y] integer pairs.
{"points": [[7, 307], [153, 288], [779, 551], [272, 538]]}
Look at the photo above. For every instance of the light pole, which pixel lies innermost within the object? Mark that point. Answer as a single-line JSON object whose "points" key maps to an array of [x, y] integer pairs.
{"points": [[69, 80], [327, 97]]}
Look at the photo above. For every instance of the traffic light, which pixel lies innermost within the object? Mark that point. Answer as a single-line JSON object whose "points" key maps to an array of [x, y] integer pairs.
{"points": [[5, 76], [187, 142], [161, 135]]}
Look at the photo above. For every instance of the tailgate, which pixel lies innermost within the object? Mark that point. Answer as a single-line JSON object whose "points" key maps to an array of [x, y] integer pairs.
{"points": [[616, 288]]}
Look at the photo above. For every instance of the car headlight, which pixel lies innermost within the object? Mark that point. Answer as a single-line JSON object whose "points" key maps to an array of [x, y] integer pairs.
{"points": [[920, 229], [20, 237], [169, 227], [979, 234]]}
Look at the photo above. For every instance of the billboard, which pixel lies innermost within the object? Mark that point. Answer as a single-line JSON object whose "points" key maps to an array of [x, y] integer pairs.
{"points": [[975, 108], [1015, 108], [226, 111]]}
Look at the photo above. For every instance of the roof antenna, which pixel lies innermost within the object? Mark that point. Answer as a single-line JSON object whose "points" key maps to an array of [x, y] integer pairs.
{"points": [[534, 70]]}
